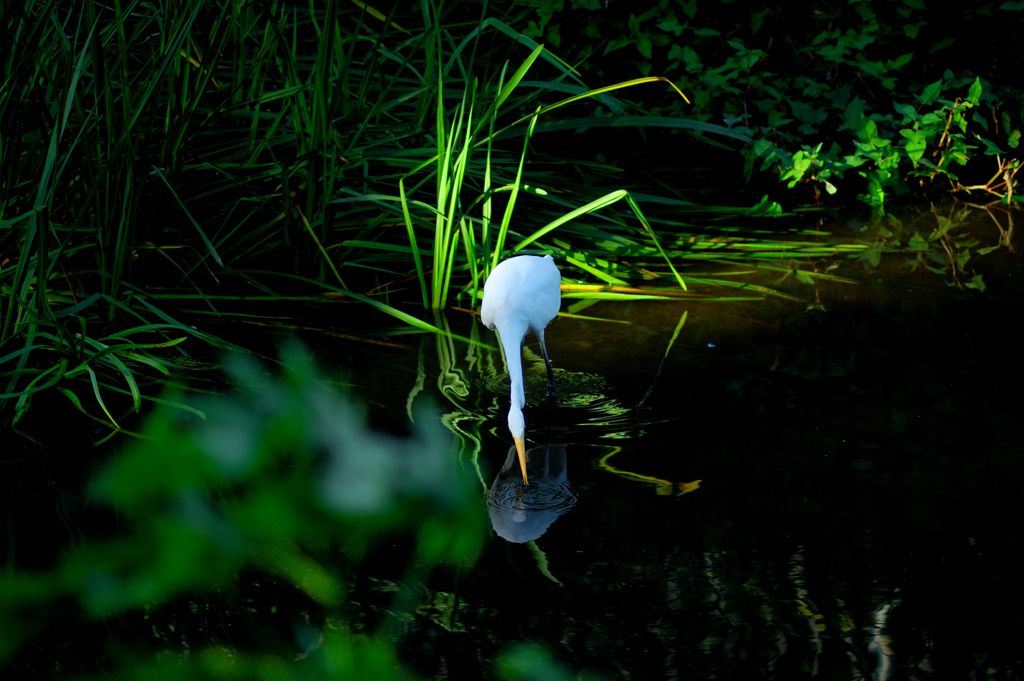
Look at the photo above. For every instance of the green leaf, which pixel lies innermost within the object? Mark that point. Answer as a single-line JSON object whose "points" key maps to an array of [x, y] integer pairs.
{"points": [[979, 118], [643, 44], [991, 148], [974, 95], [912, 30], [945, 224], [757, 20], [868, 133], [909, 113], [900, 61], [670, 25], [158, 173], [915, 144], [853, 116], [803, 277], [930, 93], [870, 258], [634, 25]]}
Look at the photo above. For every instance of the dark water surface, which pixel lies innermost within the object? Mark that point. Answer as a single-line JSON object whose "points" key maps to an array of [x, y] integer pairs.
{"points": [[858, 510], [783, 492]]}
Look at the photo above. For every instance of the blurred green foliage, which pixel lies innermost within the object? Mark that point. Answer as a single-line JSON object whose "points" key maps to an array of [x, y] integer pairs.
{"points": [[281, 478]]}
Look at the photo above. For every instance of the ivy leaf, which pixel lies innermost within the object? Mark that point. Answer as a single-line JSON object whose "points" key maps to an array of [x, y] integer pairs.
{"points": [[978, 118], [643, 44], [945, 224], [974, 95], [811, 116], [909, 112], [930, 93], [872, 68], [915, 144], [853, 116], [912, 29], [669, 24], [854, 161], [868, 134], [871, 257], [991, 148], [917, 243], [634, 24], [900, 61], [875, 195], [802, 162], [833, 52], [757, 20]]}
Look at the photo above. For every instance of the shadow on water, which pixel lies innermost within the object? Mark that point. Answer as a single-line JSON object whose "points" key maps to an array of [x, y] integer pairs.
{"points": [[785, 492]]}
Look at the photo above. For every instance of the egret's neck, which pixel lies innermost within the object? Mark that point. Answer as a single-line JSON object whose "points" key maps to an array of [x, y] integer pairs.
{"points": [[511, 341]]}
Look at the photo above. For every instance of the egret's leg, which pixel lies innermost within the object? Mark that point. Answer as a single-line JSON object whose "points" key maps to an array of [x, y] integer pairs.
{"points": [[547, 362]]}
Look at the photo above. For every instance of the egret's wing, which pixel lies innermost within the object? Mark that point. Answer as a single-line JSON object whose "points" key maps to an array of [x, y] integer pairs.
{"points": [[522, 289]]}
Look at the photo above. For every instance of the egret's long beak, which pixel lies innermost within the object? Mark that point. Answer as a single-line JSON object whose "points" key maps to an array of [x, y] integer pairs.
{"points": [[521, 450]]}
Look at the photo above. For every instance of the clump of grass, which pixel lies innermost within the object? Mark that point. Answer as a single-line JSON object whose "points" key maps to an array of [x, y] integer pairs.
{"points": [[152, 156]]}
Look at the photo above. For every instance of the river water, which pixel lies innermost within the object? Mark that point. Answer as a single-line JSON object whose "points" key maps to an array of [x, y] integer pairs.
{"points": [[781, 491], [761, 489]]}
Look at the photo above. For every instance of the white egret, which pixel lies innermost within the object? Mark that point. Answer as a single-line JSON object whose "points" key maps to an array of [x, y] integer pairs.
{"points": [[521, 295]]}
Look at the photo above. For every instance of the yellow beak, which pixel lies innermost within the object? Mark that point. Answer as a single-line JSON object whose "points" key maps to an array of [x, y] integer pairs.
{"points": [[521, 450]]}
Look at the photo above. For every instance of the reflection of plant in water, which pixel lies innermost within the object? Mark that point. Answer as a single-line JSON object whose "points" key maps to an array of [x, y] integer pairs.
{"points": [[661, 487], [453, 385], [947, 250], [945, 241], [1005, 233]]}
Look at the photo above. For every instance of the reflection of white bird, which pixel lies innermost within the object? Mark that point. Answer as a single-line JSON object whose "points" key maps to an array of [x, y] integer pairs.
{"points": [[520, 516], [521, 295]]}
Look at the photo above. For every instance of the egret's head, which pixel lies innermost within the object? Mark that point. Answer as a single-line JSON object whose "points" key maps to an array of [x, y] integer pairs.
{"points": [[517, 426]]}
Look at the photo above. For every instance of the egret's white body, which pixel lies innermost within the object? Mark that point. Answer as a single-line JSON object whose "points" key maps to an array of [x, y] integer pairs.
{"points": [[521, 295]]}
